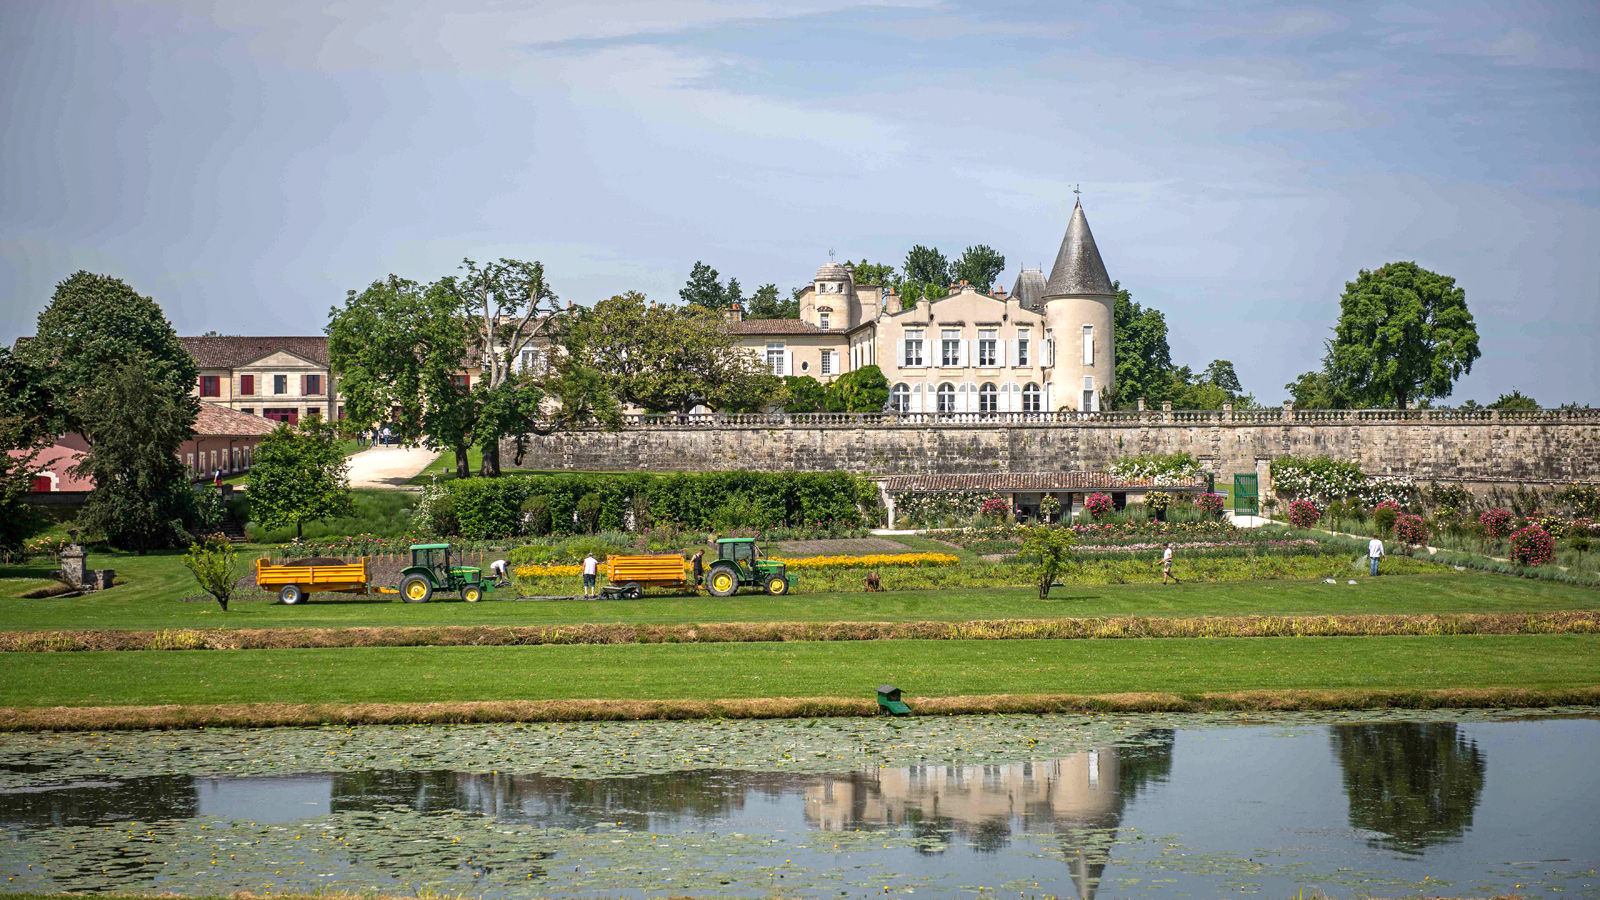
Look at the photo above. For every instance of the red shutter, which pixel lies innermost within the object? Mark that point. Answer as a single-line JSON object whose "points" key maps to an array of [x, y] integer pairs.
{"points": [[302, 385], [247, 385]]}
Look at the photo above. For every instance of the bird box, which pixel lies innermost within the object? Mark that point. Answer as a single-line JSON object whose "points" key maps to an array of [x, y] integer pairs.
{"points": [[889, 699]]}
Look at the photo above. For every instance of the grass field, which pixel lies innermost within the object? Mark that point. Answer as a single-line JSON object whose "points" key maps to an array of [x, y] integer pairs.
{"points": [[150, 599], [732, 671]]}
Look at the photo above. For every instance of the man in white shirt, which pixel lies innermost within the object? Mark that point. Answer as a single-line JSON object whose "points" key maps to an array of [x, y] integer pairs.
{"points": [[1374, 553], [1166, 565], [591, 570], [498, 570]]}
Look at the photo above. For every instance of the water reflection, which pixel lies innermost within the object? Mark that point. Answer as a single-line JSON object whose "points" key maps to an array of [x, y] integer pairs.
{"points": [[1414, 784]]}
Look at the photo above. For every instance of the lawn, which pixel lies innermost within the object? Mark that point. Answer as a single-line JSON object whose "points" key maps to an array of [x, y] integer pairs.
{"points": [[150, 599], [798, 670]]}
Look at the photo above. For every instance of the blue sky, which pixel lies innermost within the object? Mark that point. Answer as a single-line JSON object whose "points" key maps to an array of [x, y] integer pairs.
{"points": [[248, 163]]}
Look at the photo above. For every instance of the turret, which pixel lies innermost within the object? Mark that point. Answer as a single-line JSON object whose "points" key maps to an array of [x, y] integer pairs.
{"points": [[1078, 305]]}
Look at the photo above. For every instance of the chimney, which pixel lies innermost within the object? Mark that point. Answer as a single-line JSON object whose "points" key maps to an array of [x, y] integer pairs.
{"points": [[999, 293], [734, 313]]}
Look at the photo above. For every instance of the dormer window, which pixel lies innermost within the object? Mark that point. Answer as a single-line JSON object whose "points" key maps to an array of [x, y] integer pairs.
{"points": [[822, 319]]}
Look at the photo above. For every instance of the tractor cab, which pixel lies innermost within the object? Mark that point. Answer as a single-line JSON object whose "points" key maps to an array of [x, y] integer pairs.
{"points": [[739, 550], [433, 557]]}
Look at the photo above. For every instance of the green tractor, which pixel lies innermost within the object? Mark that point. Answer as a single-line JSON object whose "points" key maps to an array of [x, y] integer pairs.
{"points": [[430, 571], [739, 563]]}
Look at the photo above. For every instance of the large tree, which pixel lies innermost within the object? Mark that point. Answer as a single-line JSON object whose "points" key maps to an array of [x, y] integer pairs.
{"points": [[979, 266], [764, 304], [134, 426], [1315, 390], [1514, 400], [865, 273], [26, 415], [926, 273], [299, 476], [1404, 335], [670, 358], [860, 390], [1144, 359], [95, 322], [703, 288]]}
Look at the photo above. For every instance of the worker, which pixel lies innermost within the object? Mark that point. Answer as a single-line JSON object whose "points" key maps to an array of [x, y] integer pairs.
{"points": [[591, 571], [698, 564], [498, 570], [873, 583]]}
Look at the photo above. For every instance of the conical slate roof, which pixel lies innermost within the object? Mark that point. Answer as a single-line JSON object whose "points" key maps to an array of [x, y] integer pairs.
{"points": [[1029, 289], [1078, 269]]}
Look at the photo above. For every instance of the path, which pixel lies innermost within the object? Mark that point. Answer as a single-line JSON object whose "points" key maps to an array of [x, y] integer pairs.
{"points": [[388, 468]]}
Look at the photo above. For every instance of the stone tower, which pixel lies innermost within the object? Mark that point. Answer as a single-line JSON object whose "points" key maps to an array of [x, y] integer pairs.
{"points": [[1078, 301]]}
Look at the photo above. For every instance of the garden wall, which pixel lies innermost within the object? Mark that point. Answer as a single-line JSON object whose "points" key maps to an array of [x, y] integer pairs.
{"points": [[1476, 448]]}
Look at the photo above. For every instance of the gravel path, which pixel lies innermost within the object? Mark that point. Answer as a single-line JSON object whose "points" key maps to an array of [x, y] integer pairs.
{"points": [[388, 467]]}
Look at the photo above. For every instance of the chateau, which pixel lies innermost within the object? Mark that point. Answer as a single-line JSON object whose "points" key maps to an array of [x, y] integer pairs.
{"points": [[1045, 346]]}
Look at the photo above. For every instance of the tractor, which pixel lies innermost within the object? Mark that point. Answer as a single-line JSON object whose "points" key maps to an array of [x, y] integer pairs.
{"points": [[430, 571], [739, 563]]}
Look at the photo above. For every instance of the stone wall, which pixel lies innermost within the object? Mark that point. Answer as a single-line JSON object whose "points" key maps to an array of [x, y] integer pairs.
{"points": [[1476, 448]]}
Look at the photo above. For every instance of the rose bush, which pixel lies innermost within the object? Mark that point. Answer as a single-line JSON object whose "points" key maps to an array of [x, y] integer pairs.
{"points": [[1303, 514], [995, 509], [1496, 523], [1411, 530], [1210, 504], [1532, 546], [1099, 505]]}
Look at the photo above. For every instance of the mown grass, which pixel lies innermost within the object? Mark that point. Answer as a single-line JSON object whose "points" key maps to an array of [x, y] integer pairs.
{"points": [[795, 670], [150, 599]]}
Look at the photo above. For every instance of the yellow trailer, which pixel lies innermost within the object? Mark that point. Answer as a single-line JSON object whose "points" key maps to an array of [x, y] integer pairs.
{"points": [[630, 575], [295, 583]]}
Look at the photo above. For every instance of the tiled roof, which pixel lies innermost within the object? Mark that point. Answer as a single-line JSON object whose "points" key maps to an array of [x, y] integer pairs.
{"points": [[233, 351], [1078, 268], [217, 420], [1033, 481], [1029, 289], [775, 326]]}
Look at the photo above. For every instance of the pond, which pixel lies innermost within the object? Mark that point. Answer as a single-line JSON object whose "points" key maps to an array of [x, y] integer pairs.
{"points": [[1196, 805]]}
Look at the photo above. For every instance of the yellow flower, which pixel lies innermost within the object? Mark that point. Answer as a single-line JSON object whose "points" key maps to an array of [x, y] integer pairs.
{"points": [[875, 561], [545, 571]]}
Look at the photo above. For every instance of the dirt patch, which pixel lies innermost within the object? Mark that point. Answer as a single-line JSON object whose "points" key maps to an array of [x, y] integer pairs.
{"points": [[840, 547]]}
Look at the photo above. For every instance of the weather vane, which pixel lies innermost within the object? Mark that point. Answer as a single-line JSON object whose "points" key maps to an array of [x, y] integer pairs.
{"points": [[1076, 191], [830, 254]]}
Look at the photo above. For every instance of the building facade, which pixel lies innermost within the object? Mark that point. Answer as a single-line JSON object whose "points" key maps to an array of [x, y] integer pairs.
{"points": [[1046, 346], [284, 379]]}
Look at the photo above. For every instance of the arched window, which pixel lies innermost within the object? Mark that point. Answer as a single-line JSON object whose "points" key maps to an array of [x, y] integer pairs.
{"points": [[947, 397], [900, 398], [988, 398], [1030, 398]]}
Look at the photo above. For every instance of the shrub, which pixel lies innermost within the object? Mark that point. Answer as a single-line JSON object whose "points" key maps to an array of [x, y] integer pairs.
{"points": [[589, 512], [1099, 505], [1532, 546], [1047, 553], [1582, 498], [536, 515], [1411, 530], [1303, 514], [1323, 478], [1049, 508], [215, 567], [1384, 516], [1496, 523], [995, 509], [1171, 468], [1157, 501]]}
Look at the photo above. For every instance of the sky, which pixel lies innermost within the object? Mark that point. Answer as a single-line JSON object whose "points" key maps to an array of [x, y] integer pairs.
{"points": [[248, 163]]}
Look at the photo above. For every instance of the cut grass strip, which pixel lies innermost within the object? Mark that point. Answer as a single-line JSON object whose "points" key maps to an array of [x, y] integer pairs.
{"points": [[1574, 622], [273, 715], [797, 671]]}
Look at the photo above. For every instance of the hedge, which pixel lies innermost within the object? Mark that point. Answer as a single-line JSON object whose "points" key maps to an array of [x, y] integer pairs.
{"points": [[478, 508]]}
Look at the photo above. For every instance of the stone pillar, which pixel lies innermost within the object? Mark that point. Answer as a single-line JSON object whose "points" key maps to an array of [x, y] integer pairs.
{"points": [[72, 565], [1140, 403]]}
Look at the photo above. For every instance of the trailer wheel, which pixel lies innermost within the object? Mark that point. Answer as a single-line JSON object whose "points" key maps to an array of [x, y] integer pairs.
{"points": [[777, 585], [416, 589], [290, 594], [472, 594], [723, 581], [632, 590]]}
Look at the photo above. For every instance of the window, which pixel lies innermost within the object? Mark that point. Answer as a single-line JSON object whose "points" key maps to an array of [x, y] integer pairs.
{"points": [[988, 352], [900, 398], [313, 385], [460, 380], [1022, 347], [1088, 345], [827, 361], [822, 319], [913, 348], [947, 397], [247, 385], [1049, 346], [280, 384], [248, 410], [988, 398], [1030, 398], [210, 386], [1089, 404], [775, 357], [530, 359], [950, 352]]}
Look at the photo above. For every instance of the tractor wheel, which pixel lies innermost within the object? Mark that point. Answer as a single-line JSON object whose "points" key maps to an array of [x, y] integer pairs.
{"points": [[472, 593], [416, 589], [722, 582], [290, 594], [777, 585]]}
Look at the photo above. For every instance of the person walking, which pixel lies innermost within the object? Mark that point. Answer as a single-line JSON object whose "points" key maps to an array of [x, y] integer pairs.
{"points": [[698, 564], [1166, 565], [387, 436], [591, 570], [1374, 553], [216, 478]]}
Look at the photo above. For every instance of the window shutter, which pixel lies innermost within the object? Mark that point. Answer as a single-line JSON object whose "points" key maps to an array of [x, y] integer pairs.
{"points": [[1000, 349], [302, 385], [1016, 352], [788, 362], [916, 398], [900, 353]]}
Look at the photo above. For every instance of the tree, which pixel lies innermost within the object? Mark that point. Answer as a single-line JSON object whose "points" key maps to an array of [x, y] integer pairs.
{"points": [[94, 323], [1411, 785], [1047, 555], [1220, 374], [1514, 400], [703, 289], [733, 296], [25, 425], [215, 567], [866, 273], [1315, 390], [134, 427], [764, 304], [860, 390], [802, 394], [1404, 334], [670, 358], [299, 477], [926, 273], [979, 266], [1144, 359]]}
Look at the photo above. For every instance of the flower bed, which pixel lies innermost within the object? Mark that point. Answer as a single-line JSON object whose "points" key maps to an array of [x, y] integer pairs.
{"points": [[875, 561]]}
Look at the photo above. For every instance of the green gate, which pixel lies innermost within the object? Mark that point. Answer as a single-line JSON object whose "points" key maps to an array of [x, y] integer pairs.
{"points": [[1245, 496]]}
